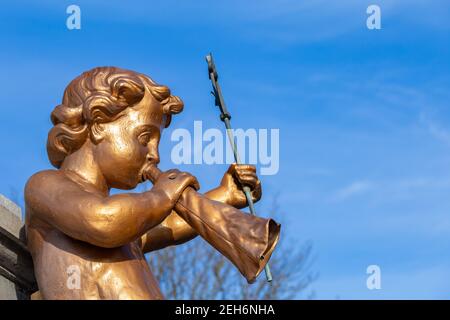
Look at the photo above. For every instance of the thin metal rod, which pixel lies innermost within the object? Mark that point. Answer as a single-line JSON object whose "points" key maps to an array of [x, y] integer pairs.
{"points": [[225, 117], [246, 189]]}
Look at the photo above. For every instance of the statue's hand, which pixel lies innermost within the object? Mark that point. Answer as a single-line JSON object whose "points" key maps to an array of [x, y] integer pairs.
{"points": [[173, 182], [233, 181]]}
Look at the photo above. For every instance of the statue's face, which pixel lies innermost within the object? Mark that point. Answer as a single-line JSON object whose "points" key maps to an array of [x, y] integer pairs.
{"points": [[129, 143]]}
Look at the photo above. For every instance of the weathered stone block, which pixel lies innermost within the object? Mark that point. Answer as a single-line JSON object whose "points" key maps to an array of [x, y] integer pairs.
{"points": [[16, 267]]}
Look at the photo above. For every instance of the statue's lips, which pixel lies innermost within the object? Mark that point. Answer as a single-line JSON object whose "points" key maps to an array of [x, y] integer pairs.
{"points": [[148, 172], [142, 174]]}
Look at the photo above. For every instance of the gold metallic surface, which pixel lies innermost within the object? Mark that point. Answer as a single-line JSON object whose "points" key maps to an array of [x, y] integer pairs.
{"points": [[106, 134]]}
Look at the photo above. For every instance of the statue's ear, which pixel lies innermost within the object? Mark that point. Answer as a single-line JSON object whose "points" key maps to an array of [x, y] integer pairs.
{"points": [[97, 132]]}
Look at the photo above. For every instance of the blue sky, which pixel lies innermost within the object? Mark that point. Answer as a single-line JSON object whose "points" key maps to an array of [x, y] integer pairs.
{"points": [[364, 115]]}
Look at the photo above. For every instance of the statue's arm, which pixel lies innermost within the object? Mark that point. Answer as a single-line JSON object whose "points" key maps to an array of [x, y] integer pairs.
{"points": [[174, 230], [109, 221]]}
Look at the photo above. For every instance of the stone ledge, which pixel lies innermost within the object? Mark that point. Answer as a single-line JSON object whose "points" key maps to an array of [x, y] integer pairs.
{"points": [[17, 279]]}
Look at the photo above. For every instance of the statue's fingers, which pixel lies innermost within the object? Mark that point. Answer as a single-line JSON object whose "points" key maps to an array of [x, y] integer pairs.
{"points": [[248, 180], [247, 174], [257, 191], [196, 185], [193, 180], [246, 168]]}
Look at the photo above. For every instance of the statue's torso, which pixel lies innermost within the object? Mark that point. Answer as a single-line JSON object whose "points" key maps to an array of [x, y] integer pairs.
{"points": [[70, 269]]}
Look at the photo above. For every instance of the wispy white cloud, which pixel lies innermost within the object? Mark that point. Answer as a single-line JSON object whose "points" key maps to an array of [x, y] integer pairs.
{"points": [[355, 188], [389, 189], [435, 129], [285, 22]]}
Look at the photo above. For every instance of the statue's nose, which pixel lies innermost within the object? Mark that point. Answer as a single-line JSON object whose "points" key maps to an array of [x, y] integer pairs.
{"points": [[153, 157]]}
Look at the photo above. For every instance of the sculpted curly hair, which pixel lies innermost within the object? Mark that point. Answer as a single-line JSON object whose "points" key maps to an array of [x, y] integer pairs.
{"points": [[99, 96]]}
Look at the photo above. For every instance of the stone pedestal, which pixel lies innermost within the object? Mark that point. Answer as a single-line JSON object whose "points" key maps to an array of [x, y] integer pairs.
{"points": [[16, 267]]}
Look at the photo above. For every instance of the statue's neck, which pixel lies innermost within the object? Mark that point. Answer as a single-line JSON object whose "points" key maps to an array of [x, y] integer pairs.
{"points": [[82, 163]]}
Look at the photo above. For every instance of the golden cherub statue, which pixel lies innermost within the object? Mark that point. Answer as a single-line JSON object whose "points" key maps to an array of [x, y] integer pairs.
{"points": [[106, 134]]}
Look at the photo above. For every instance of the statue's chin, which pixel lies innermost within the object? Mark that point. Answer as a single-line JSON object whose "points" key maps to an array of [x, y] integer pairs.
{"points": [[128, 185]]}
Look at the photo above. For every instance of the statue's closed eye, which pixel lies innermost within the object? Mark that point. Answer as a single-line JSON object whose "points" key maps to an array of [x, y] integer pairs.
{"points": [[144, 138]]}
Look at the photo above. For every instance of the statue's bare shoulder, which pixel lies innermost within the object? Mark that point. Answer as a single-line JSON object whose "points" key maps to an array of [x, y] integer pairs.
{"points": [[39, 183], [50, 185]]}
